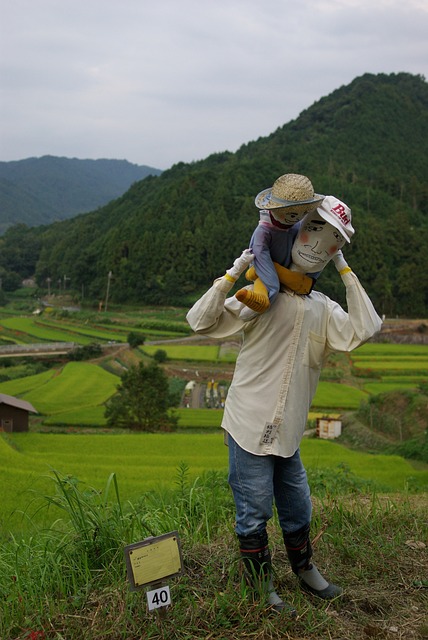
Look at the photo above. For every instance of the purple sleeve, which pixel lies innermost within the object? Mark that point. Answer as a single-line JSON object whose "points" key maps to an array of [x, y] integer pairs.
{"points": [[261, 243]]}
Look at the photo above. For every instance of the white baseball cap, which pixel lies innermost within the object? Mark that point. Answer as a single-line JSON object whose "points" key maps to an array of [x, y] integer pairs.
{"points": [[338, 214]]}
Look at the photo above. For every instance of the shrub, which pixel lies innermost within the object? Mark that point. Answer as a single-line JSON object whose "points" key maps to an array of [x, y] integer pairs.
{"points": [[87, 352], [160, 356], [135, 339]]}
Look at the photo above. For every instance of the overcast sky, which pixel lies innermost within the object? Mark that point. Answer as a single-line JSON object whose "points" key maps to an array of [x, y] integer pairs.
{"points": [[157, 82]]}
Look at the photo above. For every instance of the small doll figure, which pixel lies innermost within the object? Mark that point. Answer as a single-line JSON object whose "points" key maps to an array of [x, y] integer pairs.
{"points": [[281, 208], [321, 235]]}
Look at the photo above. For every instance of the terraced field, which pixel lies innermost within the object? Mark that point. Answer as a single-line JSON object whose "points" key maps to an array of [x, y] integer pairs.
{"points": [[74, 394]]}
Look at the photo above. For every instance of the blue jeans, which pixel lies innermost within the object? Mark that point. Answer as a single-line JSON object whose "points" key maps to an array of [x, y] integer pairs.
{"points": [[258, 481]]}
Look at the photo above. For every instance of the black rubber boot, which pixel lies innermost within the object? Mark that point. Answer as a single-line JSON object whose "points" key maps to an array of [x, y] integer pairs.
{"points": [[299, 551], [257, 561]]}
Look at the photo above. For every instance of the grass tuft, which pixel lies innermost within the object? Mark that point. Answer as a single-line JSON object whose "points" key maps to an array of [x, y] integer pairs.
{"points": [[69, 581]]}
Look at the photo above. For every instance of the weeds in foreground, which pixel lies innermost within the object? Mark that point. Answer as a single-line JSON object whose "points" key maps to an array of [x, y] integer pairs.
{"points": [[69, 582]]}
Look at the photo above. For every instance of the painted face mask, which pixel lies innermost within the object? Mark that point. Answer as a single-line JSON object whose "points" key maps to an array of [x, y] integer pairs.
{"points": [[291, 215], [321, 235], [315, 244]]}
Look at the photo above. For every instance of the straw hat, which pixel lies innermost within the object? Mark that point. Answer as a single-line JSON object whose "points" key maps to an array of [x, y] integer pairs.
{"points": [[289, 190]]}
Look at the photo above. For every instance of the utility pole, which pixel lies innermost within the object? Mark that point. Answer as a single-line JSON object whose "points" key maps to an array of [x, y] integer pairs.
{"points": [[108, 289], [48, 280]]}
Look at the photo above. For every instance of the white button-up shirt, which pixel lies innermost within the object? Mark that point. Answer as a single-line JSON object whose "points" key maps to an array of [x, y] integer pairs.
{"points": [[281, 356]]}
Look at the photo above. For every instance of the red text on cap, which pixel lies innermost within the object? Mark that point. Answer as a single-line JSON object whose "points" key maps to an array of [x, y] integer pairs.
{"points": [[339, 210]]}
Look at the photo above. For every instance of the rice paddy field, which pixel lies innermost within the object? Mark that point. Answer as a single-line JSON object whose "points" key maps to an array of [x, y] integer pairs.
{"points": [[22, 329], [75, 394], [145, 462], [188, 352], [72, 395], [392, 357]]}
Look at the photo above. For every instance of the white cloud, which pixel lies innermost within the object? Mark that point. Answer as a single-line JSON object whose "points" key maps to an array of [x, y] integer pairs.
{"points": [[162, 82]]}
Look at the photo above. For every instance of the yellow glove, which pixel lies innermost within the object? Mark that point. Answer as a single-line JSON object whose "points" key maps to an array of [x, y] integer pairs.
{"points": [[294, 280]]}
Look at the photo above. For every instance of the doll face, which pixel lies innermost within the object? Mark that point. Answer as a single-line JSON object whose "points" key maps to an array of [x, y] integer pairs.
{"points": [[289, 216], [315, 244]]}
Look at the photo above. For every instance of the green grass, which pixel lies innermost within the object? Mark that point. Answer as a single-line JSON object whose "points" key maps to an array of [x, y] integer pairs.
{"points": [[82, 333], [398, 357], [382, 387], [200, 353], [420, 365], [392, 473], [391, 359], [333, 395], [199, 418], [114, 331], [92, 416], [77, 385], [415, 379], [69, 581], [192, 419], [145, 462], [398, 366], [20, 370], [21, 386], [74, 395], [41, 333], [384, 349], [142, 462]]}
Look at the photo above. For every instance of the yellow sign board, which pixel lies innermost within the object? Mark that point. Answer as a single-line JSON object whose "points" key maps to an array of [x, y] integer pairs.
{"points": [[153, 560]]}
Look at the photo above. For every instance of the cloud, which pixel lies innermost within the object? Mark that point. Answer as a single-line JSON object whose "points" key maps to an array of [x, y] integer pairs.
{"points": [[158, 83]]}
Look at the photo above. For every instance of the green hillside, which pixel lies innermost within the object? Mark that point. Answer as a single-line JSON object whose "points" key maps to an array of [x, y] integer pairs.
{"points": [[77, 385], [167, 238], [38, 191]]}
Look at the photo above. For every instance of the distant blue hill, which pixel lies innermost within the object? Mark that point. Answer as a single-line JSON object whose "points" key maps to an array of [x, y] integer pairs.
{"points": [[38, 191]]}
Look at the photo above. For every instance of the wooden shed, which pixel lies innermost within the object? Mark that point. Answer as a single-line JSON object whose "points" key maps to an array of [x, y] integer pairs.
{"points": [[14, 413], [329, 428]]}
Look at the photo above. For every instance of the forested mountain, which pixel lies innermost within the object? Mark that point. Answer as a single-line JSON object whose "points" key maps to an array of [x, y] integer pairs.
{"points": [[42, 190], [167, 238]]}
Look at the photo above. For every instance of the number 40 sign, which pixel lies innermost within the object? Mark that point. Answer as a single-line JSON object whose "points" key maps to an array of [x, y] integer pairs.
{"points": [[152, 561], [158, 598]]}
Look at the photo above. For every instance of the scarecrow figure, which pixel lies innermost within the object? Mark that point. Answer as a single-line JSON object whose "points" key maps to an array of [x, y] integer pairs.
{"points": [[280, 362], [281, 207], [321, 235]]}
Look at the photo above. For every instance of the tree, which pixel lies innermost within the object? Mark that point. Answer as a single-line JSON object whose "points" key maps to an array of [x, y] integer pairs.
{"points": [[167, 238], [135, 339], [160, 355], [87, 352], [142, 401]]}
